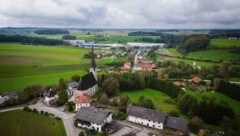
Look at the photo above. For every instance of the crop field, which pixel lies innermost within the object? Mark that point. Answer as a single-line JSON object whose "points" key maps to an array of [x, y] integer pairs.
{"points": [[21, 123], [22, 65], [124, 38], [224, 43], [160, 100]]}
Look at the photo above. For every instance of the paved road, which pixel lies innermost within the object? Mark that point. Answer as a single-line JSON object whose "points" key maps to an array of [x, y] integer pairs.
{"points": [[10, 109], [66, 117]]}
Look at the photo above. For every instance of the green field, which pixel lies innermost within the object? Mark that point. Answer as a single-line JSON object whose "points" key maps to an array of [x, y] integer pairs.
{"points": [[224, 43], [22, 65], [21, 123], [218, 97], [159, 99], [213, 54]]}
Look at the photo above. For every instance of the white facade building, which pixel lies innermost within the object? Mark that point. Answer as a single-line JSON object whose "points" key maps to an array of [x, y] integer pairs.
{"points": [[93, 118], [147, 117]]}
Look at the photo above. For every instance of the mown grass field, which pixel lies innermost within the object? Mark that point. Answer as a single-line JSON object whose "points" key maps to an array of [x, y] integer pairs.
{"points": [[22, 65], [214, 54], [21, 123], [224, 43], [218, 97], [159, 99]]}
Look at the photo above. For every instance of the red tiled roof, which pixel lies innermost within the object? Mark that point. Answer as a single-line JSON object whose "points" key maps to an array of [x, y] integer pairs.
{"points": [[146, 64], [83, 98], [196, 79]]}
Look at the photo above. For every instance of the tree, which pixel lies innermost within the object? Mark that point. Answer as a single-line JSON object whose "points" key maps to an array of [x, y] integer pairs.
{"points": [[195, 124], [63, 97], [70, 106], [104, 99], [75, 78], [124, 100], [146, 103], [62, 84], [111, 86], [81, 134], [68, 37], [195, 43]]}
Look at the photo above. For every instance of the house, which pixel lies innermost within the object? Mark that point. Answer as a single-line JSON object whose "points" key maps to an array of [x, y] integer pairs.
{"points": [[177, 124], [72, 85], [92, 118], [8, 96], [196, 80], [146, 65], [156, 119], [147, 117], [83, 100], [51, 96], [178, 84], [126, 67]]}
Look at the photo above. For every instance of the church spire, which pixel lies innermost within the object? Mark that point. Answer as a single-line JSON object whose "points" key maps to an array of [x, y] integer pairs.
{"points": [[93, 64]]}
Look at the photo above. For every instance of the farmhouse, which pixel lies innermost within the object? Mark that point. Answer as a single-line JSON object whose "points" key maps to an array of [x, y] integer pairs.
{"points": [[126, 67], [156, 119], [147, 117], [145, 65], [132, 45], [83, 100], [50, 97], [8, 96], [92, 118]]}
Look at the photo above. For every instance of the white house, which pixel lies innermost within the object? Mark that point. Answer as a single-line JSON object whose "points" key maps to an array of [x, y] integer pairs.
{"points": [[93, 118], [7, 96], [156, 119], [51, 96], [147, 117], [83, 100]]}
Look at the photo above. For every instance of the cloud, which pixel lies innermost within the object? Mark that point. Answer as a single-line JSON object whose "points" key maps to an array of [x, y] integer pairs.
{"points": [[120, 13]]}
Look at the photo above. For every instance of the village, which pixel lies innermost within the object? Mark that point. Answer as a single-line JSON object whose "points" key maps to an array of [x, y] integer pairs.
{"points": [[96, 116]]}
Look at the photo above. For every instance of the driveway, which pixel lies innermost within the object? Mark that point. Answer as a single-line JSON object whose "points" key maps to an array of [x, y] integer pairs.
{"points": [[67, 118]]}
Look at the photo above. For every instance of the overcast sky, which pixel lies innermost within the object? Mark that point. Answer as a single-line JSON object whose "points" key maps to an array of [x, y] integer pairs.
{"points": [[120, 13]]}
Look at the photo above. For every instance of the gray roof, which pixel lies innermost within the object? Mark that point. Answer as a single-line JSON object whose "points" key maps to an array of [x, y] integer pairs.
{"points": [[93, 115], [145, 113], [177, 123], [73, 84]]}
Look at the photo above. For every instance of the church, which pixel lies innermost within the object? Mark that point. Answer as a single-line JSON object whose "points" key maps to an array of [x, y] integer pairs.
{"points": [[87, 85]]}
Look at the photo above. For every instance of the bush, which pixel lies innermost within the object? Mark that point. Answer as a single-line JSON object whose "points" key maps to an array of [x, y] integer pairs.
{"points": [[120, 115], [41, 112], [58, 118], [46, 113], [25, 109], [81, 134], [35, 110], [174, 113]]}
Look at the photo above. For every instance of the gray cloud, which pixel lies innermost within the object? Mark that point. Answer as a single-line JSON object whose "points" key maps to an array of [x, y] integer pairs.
{"points": [[121, 13]]}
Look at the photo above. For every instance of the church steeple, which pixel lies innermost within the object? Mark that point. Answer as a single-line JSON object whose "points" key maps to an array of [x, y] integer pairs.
{"points": [[93, 64]]}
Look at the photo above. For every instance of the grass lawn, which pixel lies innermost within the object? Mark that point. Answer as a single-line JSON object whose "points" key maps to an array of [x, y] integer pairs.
{"points": [[224, 43], [174, 52], [124, 38], [235, 79], [218, 97], [22, 65], [21, 123], [213, 54], [159, 99]]}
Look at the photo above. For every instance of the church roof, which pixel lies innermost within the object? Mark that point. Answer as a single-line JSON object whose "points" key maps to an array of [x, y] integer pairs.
{"points": [[87, 81]]}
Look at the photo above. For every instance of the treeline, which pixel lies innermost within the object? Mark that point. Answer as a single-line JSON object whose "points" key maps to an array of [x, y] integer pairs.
{"points": [[69, 37], [141, 33], [194, 43], [30, 40], [51, 31], [208, 109], [229, 89]]}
